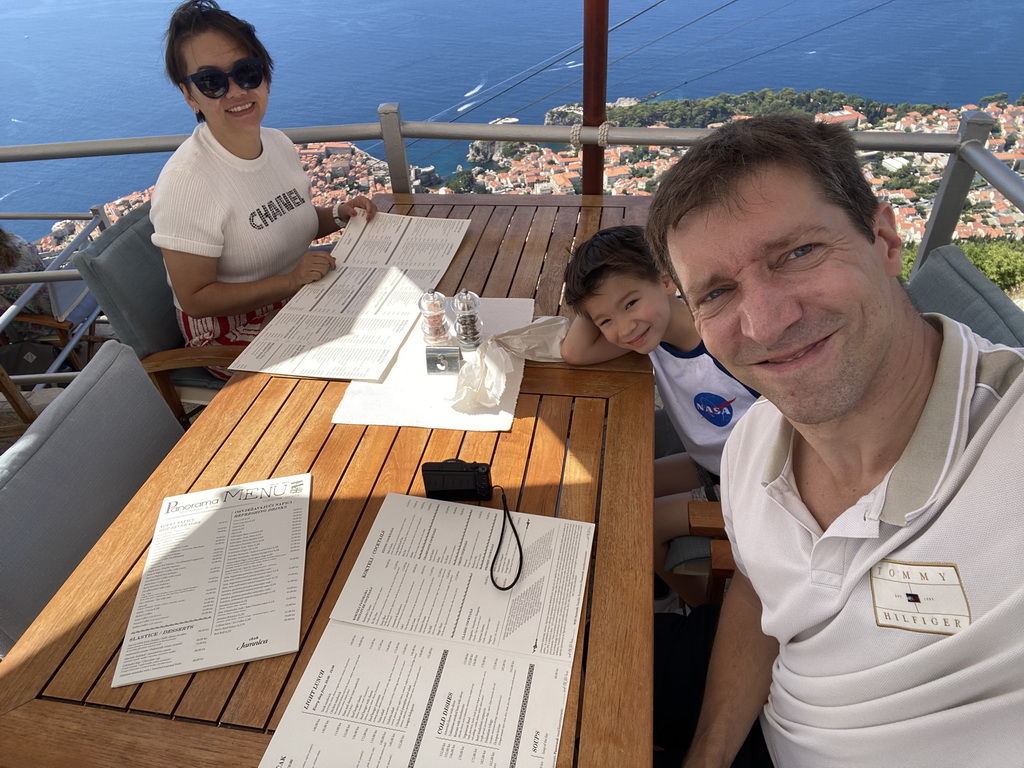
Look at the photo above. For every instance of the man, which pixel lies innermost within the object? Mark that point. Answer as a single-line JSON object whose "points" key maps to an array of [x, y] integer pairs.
{"points": [[873, 497]]}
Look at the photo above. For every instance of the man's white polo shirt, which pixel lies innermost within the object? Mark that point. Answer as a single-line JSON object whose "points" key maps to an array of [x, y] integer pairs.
{"points": [[901, 627]]}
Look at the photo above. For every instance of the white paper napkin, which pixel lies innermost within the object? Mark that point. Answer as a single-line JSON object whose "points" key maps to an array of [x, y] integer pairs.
{"points": [[482, 380]]}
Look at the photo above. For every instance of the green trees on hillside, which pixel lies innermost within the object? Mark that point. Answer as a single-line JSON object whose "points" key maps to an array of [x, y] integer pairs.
{"points": [[463, 181], [998, 98], [699, 113]]}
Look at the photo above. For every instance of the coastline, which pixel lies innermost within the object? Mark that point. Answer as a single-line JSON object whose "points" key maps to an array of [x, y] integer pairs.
{"points": [[340, 169]]}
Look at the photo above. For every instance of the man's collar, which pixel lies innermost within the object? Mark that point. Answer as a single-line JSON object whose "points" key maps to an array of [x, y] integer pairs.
{"points": [[941, 432]]}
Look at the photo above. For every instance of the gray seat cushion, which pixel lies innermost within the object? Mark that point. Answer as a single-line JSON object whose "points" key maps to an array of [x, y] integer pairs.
{"points": [[72, 472], [950, 284]]}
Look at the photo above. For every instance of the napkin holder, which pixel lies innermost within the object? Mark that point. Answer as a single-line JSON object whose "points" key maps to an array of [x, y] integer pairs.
{"points": [[443, 360]]}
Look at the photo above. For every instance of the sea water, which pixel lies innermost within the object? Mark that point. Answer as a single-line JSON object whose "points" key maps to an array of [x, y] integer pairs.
{"points": [[93, 69]]}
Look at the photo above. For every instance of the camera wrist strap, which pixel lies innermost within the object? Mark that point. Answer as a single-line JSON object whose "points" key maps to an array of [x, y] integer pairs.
{"points": [[506, 519]]}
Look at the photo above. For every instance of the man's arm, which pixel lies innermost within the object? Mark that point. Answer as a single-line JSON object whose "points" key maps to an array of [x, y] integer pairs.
{"points": [[739, 677], [584, 345]]}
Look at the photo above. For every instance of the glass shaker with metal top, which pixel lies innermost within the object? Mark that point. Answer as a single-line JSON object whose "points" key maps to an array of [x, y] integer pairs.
{"points": [[468, 327]]}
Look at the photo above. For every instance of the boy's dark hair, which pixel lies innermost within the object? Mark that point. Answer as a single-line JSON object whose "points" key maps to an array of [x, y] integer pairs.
{"points": [[613, 251], [710, 171], [193, 18]]}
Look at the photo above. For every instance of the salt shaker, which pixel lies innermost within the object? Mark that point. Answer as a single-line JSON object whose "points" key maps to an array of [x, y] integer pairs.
{"points": [[467, 319], [434, 324]]}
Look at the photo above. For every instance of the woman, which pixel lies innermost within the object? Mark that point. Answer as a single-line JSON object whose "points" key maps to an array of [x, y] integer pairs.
{"points": [[232, 208]]}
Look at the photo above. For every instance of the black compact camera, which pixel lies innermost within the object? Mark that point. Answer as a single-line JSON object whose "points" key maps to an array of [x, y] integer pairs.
{"points": [[457, 480]]}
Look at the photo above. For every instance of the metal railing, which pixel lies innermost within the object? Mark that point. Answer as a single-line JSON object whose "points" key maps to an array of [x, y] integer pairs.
{"points": [[968, 154], [966, 149]]}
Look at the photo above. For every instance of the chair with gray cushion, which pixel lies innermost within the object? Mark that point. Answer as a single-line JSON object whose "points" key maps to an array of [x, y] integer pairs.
{"points": [[72, 472], [126, 274], [947, 282]]}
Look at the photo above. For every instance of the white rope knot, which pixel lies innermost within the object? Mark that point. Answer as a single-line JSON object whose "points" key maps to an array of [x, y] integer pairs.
{"points": [[574, 134], [602, 133]]}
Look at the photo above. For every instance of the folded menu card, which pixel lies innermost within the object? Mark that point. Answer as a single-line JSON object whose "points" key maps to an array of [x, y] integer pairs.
{"points": [[222, 582]]}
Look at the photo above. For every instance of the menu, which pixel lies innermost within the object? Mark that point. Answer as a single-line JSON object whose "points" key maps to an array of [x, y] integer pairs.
{"points": [[222, 582], [350, 323], [425, 663]]}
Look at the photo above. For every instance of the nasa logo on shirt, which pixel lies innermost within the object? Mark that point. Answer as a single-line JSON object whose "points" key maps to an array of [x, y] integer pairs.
{"points": [[714, 408]]}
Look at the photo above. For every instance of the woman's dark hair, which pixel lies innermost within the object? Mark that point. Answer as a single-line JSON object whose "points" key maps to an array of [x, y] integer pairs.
{"points": [[193, 18], [613, 251]]}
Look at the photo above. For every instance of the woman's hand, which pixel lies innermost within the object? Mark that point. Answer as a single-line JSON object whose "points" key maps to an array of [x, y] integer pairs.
{"points": [[332, 219], [311, 267], [349, 208]]}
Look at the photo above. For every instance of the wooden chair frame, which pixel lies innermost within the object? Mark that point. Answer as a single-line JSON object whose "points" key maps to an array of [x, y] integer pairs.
{"points": [[22, 409], [160, 364], [706, 519]]}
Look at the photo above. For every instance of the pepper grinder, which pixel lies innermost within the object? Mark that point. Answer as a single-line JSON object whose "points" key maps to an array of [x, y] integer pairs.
{"points": [[467, 319], [435, 323]]}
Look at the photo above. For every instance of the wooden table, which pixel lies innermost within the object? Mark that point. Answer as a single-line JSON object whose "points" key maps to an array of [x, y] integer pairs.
{"points": [[580, 447]]}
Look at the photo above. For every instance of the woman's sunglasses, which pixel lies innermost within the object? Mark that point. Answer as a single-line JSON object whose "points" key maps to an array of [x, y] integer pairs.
{"points": [[213, 83]]}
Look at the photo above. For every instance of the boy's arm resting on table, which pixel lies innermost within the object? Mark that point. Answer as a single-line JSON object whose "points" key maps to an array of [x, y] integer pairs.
{"points": [[201, 294], [739, 678], [585, 345]]}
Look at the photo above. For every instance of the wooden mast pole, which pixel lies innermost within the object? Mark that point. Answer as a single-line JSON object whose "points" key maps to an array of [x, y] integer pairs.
{"points": [[595, 84]]}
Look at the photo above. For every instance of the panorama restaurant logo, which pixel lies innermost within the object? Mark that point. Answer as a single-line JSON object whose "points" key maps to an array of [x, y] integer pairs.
{"points": [[714, 408]]}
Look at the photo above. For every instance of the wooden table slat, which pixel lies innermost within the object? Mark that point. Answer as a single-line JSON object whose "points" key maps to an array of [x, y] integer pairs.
{"points": [[549, 285], [275, 443], [243, 438], [80, 737], [579, 502], [441, 212], [568, 382], [510, 252], [76, 679], [512, 452], [547, 457], [486, 252], [479, 218], [583, 460], [616, 714], [526, 282], [316, 446]]}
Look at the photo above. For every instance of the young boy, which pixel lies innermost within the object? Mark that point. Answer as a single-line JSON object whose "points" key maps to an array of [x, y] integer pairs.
{"points": [[624, 303]]}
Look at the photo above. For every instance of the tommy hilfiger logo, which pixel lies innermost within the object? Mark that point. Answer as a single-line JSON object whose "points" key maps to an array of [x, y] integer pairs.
{"points": [[272, 210], [921, 597]]}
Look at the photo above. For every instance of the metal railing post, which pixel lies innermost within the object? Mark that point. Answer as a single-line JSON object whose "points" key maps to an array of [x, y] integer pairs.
{"points": [[956, 183], [100, 213], [394, 148]]}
